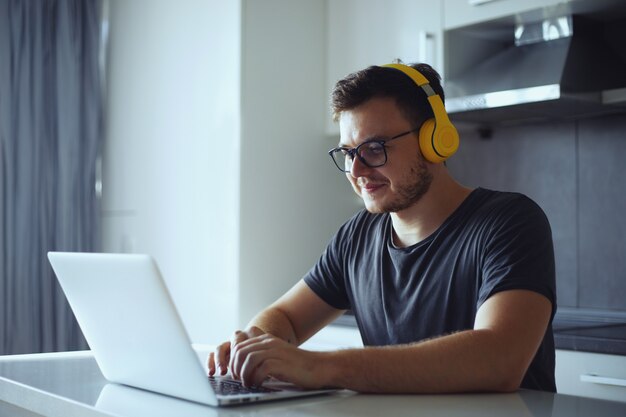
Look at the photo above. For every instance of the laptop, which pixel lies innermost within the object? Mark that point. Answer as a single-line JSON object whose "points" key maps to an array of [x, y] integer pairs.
{"points": [[135, 333]]}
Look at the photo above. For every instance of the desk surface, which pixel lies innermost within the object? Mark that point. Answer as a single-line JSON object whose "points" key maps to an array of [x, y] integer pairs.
{"points": [[70, 384]]}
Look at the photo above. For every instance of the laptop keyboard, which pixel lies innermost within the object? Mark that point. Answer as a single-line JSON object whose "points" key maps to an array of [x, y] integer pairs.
{"points": [[231, 387]]}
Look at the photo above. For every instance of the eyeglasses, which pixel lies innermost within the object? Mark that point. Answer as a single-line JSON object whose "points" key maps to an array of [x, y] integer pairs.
{"points": [[371, 153]]}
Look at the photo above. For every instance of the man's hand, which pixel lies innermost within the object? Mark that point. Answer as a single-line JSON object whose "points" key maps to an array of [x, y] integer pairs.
{"points": [[268, 346], [256, 359], [220, 359]]}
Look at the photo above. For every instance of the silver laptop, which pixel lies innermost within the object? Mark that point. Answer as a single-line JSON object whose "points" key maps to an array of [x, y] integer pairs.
{"points": [[135, 333]]}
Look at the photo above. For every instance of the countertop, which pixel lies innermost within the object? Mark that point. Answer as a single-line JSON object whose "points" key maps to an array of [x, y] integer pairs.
{"points": [[590, 331], [70, 384], [585, 337]]}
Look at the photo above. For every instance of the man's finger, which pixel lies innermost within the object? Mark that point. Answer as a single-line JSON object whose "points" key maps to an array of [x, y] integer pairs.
{"points": [[237, 338], [222, 357], [210, 364]]}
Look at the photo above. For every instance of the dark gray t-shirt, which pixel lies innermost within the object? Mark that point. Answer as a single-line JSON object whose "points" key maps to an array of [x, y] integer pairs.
{"points": [[493, 242]]}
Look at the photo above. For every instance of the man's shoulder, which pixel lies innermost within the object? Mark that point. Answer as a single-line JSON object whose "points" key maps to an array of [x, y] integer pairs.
{"points": [[500, 211], [499, 197], [491, 201]]}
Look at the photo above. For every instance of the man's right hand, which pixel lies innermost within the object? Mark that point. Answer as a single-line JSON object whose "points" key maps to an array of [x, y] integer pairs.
{"points": [[219, 360]]}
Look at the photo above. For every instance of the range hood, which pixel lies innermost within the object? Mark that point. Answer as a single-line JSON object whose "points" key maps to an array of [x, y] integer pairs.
{"points": [[560, 67]]}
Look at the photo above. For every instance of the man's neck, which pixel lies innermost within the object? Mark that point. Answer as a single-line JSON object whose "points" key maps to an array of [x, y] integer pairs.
{"points": [[419, 221]]}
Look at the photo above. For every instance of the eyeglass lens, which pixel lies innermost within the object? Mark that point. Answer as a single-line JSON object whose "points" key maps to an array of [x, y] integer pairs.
{"points": [[371, 153]]}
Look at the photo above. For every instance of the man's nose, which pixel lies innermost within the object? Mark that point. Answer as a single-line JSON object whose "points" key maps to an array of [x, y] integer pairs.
{"points": [[358, 168]]}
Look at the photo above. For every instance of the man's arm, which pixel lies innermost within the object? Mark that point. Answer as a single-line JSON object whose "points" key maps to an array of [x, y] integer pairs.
{"points": [[494, 356], [296, 316], [293, 318]]}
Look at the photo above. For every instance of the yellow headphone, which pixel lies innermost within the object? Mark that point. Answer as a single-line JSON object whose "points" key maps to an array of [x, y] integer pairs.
{"points": [[438, 137]]}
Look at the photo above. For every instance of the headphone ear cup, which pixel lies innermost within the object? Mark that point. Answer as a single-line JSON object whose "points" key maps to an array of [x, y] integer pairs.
{"points": [[438, 141], [425, 139]]}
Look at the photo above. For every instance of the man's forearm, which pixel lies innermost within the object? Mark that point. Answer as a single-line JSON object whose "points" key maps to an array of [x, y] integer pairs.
{"points": [[274, 321], [495, 356], [467, 361], [296, 316]]}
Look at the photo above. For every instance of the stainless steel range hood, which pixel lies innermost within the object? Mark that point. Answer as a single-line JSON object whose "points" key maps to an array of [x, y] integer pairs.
{"points": [[559, 67]]}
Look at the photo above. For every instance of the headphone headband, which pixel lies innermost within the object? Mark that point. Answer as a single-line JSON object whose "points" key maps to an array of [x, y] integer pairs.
{"points": [[414, 74]]}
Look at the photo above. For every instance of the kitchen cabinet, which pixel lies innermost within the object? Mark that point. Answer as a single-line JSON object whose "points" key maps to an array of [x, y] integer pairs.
{"points": [[371, 32], [458, 13], [591, 375]]}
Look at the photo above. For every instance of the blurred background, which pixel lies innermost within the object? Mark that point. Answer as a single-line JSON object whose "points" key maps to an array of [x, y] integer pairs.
{"points": [[196, 131]]}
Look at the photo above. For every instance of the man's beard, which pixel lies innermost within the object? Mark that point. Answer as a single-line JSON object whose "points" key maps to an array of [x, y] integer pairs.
{"points": [[411, 190]]}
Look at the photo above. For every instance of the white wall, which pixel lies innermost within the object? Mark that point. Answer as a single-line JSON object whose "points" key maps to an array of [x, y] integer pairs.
{"points": [[170, 166], [292, 197], [215, 161]]}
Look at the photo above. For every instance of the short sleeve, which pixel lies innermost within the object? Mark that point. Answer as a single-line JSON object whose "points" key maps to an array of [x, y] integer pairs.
{"points": [[329, 277], [519, 253]]}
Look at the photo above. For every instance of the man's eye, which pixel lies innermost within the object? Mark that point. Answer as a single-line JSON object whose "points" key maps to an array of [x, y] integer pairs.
{"points": [[373, 149]]}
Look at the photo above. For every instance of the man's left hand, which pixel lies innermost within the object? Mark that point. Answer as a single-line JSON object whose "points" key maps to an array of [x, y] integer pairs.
{"points": [[258, 358]]}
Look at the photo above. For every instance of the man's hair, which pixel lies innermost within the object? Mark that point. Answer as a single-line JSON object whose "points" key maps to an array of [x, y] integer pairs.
{"points": [[384, 82]]}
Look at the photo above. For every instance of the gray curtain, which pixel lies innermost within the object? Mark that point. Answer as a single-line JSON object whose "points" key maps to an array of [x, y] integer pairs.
{"points": [[50, 138]]}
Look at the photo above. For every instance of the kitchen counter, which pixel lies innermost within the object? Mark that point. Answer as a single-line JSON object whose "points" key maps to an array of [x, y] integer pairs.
{"points": [[590, 331], [586, 337], [70, 384]]}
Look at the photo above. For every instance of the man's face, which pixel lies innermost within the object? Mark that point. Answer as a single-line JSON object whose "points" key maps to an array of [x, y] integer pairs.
{"points": [[405, 178]]}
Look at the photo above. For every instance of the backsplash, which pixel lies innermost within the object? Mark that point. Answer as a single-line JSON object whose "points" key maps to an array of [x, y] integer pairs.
{"points": [[575, 171]]}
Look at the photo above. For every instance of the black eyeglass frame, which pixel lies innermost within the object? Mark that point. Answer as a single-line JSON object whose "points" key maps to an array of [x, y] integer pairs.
{"points": [[355, 151]]}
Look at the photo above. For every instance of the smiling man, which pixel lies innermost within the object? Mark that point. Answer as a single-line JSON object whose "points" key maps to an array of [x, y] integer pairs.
{"points": [[453, 288]]}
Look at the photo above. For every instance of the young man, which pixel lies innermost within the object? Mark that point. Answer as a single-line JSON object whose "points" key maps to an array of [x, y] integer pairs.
{"points": [[453, 289]]}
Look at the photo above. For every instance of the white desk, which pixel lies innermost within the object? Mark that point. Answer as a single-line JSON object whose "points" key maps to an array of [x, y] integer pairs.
{"points": [[70, 384]]}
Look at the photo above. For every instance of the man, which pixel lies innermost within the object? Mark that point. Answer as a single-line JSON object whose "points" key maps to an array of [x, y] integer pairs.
{"points": [[453, 289]]}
